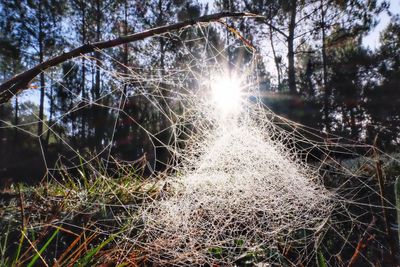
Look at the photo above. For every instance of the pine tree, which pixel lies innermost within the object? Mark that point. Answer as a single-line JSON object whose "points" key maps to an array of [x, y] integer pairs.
{"points": [[10, 63], [37, 22], [382, 100]]}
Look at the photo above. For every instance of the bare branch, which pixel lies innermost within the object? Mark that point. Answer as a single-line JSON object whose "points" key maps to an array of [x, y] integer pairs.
{"points": [[21, 81]]}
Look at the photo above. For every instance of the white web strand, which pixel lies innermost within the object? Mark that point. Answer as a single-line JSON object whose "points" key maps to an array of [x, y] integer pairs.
{"points": [[235, 185]]}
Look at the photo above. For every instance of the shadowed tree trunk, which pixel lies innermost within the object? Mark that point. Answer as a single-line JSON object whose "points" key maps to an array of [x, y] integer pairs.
{"points": [[16, 120], [42, 79], [276, 59], [51, 111], [290, 42], [1, 124], [83, 92], [97, 109], [327, 91]]}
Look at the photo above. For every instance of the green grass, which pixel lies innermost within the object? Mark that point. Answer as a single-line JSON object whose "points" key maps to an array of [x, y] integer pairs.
{"points": [[43, 249]]}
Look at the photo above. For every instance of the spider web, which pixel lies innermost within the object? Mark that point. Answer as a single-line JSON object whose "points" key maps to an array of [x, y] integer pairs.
{"points": [[218, 189]]}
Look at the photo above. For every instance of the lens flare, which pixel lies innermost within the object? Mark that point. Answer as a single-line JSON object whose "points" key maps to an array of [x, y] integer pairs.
{"points": [[227, 94]]}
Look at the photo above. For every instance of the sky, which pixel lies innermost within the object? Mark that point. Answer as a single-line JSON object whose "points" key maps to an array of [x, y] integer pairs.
{"points": [[372, 39]]}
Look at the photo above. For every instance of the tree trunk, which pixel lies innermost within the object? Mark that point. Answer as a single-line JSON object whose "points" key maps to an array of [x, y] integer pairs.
{"points": [[290, 42], [1, 124], [16, 120], [51, 113], [122, 118], [83, 93], [160, 20], [309, 72], [327, 91], [98, 120], [42, 79], [278, 69], [126, 47], [2, 113], [353, 125]]}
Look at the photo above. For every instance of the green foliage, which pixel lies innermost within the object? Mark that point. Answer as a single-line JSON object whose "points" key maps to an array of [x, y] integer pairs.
{"points": [[88, 258], [216, 252]]}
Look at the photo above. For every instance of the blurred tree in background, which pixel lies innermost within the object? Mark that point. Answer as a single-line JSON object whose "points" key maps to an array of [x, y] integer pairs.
{"points": [[313, 68]]}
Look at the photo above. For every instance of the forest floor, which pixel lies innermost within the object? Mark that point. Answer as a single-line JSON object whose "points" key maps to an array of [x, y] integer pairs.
{"points": [[89, 220], [73, 221]]}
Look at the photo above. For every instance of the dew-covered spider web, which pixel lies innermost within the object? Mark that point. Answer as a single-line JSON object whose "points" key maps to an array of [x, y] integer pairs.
{"points": [[215, 180]]}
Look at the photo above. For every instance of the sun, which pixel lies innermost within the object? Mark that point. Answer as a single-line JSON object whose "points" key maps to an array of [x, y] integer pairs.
{"points": [[226, 93]]}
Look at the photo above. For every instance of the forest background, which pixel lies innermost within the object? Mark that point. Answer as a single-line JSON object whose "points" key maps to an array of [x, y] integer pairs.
{"points": [[322, 65]]}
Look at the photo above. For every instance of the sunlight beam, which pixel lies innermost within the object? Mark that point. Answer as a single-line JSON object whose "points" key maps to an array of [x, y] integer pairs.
{"points": [[227, 94]]}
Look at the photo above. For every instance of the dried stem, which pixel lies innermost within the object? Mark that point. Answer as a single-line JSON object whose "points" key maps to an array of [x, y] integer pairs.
{"points": [[362, 244], [381, 183], [22, 209]]}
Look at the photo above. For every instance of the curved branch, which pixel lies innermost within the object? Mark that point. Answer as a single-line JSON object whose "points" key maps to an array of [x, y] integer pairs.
{"points": [[21, 81]]}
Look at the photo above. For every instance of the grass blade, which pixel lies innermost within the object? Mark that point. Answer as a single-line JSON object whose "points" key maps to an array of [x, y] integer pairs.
{"points": [[88, 257], [321, 260], [21, 241], [36, 257]]}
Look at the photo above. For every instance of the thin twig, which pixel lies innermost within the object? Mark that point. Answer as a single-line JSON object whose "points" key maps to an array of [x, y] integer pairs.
{"points": [[381, 183], [34, 248], [246, 42], [22, 209]]}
